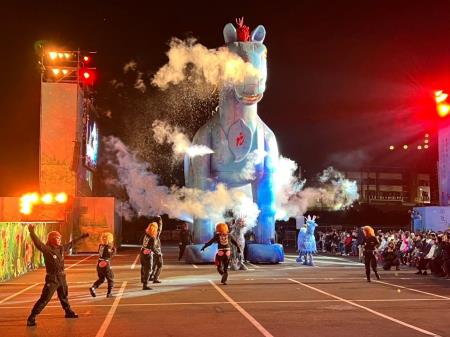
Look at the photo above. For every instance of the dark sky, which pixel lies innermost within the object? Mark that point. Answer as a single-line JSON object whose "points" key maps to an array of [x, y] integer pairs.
{"points": [[346, 78]]}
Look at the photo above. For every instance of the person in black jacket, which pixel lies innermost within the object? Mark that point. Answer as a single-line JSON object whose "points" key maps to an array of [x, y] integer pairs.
{"points": [[370, 245], [185, 239], [223, 240], [55, 280], [106, 251], [146, 253]]}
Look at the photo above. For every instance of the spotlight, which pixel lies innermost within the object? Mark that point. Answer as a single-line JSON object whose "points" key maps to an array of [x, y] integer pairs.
{"points": [[47, 198], [53, 55], [55, 71], [405, 147], [391, 147], [61, 197], [443, 109], [426, 146], [440, 96], [419, 147]]}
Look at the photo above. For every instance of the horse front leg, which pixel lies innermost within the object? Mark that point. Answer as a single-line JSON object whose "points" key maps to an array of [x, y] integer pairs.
{"points": [[264, 192], [264, 250]]}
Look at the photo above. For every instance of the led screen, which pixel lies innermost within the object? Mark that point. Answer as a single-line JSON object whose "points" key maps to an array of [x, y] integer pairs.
{"points": [[91, 146]]}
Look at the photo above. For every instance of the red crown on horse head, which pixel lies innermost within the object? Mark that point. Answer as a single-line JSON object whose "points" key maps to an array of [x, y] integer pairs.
{"points": [[243, 31]]}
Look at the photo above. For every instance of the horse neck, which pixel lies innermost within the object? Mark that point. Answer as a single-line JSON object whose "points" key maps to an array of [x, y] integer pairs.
{"points": [[231, 110]]}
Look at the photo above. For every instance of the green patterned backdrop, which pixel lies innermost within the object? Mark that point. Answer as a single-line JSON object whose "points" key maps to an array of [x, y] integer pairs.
{"points": [[17, 252]]}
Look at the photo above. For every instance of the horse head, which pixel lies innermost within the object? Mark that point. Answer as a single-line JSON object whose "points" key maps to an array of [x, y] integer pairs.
{"points": [[311, 222], [251, 49]]}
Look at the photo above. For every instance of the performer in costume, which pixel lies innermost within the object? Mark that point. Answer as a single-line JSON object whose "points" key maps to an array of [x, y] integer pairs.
{"points": [[238, 230], [306, 241], [55, 280], [370, 244], [223, 239], [185, 239], [157, 254], [146, 254], [106, 251]]}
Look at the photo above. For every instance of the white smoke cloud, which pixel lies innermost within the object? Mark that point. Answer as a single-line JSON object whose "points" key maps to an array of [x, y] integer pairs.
{"points": [[130, 66], [249, 170], [117, 84], [165, 133], [213, 66], [343, 191], [293, 199], [139, 84], [147, 197]]}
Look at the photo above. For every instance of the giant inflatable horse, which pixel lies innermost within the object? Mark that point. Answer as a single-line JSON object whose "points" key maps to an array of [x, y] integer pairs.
{"points": [[235, 134], [306, 242]]}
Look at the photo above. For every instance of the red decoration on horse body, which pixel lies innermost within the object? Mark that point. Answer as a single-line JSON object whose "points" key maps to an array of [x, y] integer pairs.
{"points": [[243, 31]]}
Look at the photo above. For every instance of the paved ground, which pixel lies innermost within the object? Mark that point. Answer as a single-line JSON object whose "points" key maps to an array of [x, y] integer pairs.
{"points": [[331, 299]]}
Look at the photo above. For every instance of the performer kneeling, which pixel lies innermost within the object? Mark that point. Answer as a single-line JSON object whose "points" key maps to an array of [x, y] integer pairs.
{"points": [[223, 240], [370, 245], [55, 280], [106, 251], [146, 254]]}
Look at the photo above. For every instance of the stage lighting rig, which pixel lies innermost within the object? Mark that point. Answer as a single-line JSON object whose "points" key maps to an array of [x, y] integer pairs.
{"points": [[62, 66]]}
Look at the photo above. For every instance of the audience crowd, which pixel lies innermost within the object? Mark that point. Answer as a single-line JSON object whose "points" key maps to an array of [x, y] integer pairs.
{"points": [[429, 252]]}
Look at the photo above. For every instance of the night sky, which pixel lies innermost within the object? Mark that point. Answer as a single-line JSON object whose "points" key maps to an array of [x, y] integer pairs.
{"points": [[346, 78]]}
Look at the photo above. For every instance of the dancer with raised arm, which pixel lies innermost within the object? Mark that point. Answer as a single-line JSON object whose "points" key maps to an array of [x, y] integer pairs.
{"points": [[55, 280]]}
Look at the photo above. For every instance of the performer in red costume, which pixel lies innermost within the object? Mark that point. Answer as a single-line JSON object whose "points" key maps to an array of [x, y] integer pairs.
{"points": [[223, 239]]}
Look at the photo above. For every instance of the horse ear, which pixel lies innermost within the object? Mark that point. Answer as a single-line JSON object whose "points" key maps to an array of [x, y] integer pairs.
{"points": [[258, 34], [229, 33]]}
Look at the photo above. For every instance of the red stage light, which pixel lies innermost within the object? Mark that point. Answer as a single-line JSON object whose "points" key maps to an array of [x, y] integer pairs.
{"points": [[443, 109], [87, 76]]}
